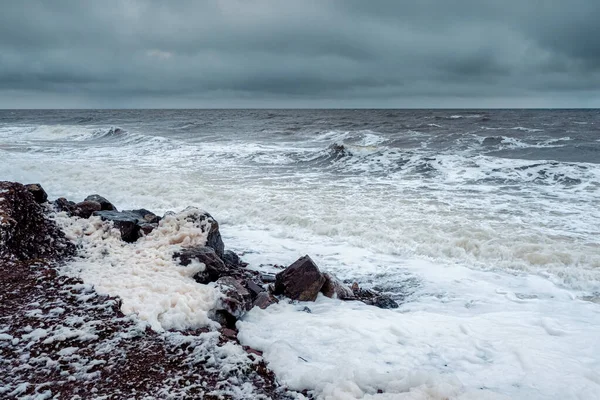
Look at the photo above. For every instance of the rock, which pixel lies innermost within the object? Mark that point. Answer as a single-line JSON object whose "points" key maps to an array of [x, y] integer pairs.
{"points": [[300, 281], [38, 192], [104, 204], [229, 333], [264, 300], [250, 350], [215, 267], [307, 310], [62, 204], [85, 209], [373, 298], [214, 238], [492, 140], [201, 218], [334, 288], [267, 278], [230, 258], [237, 300], [147, 228], [339, 151], [25, 232], [382, 301], [130, 231], [129, 222], [254, 288]]}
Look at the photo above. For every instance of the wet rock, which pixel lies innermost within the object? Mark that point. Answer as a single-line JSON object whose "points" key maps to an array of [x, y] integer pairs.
{"points": [[334, 288], [229, 333], [104, 204], [339, 150], [130, 231], [300, 281], [62, 204], [38, 192], [382, 301], [264, 300], [492, 140], [85, 209], [254, 288], [231, 259], [267, 278], [214, 239], [129, 222], [147, 228], [373, 298], [25, 232], [144, 216], [237, 299], [250, 350], [215, 267]]}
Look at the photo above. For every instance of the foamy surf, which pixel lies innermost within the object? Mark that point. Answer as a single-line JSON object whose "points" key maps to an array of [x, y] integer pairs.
{"points": [[152, 285]]}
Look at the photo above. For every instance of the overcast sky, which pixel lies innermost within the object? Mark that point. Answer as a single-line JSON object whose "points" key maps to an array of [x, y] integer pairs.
{"points": [[301, 53]]}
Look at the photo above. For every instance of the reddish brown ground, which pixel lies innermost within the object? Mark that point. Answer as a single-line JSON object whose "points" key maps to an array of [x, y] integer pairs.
{"points": [[103, 352]]}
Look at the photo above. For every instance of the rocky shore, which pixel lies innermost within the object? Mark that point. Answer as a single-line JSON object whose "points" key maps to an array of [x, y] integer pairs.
{"points": [[60, 337]]}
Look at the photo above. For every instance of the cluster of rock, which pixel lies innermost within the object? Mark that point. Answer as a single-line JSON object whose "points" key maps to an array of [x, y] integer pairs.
{"points": [[61, 339], [243, 288], [26, 235]]}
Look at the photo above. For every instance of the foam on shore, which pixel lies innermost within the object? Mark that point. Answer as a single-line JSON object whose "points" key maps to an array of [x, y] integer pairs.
{"points": [[143, 274]]}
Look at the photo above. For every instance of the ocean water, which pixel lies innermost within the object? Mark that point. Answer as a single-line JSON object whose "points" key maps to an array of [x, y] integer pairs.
{"points": [[483, 224]]}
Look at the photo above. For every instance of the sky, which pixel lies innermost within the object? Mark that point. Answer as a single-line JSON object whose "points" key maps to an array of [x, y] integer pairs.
{"points": [[301, 53]]}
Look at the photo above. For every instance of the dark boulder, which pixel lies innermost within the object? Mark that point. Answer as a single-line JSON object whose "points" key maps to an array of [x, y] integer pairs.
{"points": [[267, 278], [492, 140], [215, 267], [201, 219], [236, 300], [104, 204], [382, 301], [264, 300], [232, 259], [85, 209], [38, 192], [338, 151], [334, 288], [25, 231], [373, 298], [145, 229], [129, 222], [144, 216], [62, 204], [130, 231], [254, 288], [300, 281]]}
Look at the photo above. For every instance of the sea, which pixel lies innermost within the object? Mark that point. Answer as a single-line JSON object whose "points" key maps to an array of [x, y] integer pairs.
{"points": [[484, 225]]}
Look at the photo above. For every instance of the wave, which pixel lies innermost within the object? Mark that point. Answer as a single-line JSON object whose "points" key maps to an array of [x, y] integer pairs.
{"points": [[524, 129], [461, 116]]}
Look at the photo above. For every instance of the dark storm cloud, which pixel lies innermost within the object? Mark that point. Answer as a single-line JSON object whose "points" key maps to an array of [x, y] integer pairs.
{"points": [[223, 53]]}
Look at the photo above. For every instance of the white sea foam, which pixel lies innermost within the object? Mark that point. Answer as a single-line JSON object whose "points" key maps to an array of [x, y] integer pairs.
{"points": [[143, 274], [463, 334], [462, 209], [525, 129]]}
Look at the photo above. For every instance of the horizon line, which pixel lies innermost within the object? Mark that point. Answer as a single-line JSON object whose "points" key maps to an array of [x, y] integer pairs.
{"points": [[296, 108]]}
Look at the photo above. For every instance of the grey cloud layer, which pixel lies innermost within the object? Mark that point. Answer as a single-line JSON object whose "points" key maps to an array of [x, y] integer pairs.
{"points": [[290, 53]]}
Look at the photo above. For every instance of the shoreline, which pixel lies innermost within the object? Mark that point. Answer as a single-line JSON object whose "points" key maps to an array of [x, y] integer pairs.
{"points": [[192, 241], [76, 343]]}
